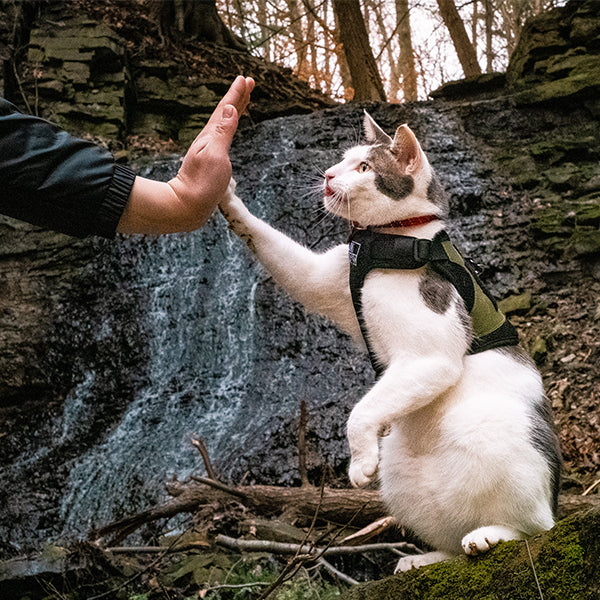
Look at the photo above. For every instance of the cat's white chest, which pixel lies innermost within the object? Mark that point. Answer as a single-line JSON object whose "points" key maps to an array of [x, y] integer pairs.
{"points": [[397, 319]]}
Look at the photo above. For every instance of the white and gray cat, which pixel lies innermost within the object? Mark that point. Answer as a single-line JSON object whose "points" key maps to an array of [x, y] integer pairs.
{"points": [[462, 442]]}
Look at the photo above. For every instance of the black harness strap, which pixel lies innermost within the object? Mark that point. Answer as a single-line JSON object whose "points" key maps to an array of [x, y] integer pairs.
{"points": [[368, 250]]}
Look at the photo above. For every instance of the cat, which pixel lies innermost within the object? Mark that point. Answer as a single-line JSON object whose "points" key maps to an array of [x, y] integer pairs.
{"points": [[462, 443]]}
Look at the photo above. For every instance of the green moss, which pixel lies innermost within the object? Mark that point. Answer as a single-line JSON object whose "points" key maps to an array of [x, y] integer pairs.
{"points": [[565, 560], [585, 241]]}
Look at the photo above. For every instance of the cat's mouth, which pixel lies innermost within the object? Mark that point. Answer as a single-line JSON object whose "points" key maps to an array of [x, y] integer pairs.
{"points": [[328, 191]]}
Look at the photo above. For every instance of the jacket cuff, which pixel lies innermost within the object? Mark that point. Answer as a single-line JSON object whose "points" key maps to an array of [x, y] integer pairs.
{"points": [[116, 198]]}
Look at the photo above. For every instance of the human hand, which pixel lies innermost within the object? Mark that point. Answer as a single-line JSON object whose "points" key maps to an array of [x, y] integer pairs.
{"points": [[187, 201], [206, 169]]}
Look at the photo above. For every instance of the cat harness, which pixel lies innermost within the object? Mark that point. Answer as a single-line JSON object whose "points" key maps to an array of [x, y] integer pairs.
{"points": [[368, 250]]}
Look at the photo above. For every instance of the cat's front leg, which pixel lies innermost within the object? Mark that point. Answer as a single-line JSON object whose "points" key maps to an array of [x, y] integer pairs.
{"points": [[407, 385], [317, 280], [363, 438]]}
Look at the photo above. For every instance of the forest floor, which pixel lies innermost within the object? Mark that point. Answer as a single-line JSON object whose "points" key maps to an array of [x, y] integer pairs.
{"points": [[567, 318]]}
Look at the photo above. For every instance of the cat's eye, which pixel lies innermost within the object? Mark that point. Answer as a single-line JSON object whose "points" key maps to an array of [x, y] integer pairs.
{"points": [[363, 167]]}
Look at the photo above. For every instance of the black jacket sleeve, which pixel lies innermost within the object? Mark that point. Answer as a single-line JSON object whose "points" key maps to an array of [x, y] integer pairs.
{"points": [[51, 179]]}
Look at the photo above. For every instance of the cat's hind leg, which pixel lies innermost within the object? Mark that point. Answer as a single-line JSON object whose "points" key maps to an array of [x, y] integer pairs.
{"points": [[482, 539], [406, 563]]}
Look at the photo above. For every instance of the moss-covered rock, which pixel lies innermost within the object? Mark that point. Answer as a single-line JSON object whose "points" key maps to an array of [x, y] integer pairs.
{"points": [[564, 561], [558, 55]]}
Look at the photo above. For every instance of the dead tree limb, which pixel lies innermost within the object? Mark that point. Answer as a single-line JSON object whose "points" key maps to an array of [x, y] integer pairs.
{"points": [[335, 505], [199, 444], [309, 549], [302, 470]]}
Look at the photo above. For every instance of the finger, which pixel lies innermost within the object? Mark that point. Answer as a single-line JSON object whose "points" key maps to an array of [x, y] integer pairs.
{"points": [[222, 136], [238, 95]]}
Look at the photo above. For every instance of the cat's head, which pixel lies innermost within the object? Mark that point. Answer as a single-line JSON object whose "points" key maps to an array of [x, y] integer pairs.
{"points": [[384, 180]]}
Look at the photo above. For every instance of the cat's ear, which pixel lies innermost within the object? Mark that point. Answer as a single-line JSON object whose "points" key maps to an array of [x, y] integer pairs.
{"points": [[373, 133], [407, 150]]}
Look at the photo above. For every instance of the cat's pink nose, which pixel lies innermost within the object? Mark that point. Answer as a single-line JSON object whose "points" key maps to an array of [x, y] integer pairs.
{"points": [[328, 177]]}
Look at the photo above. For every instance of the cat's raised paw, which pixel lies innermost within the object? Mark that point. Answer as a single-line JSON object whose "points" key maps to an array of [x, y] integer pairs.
{"points": [[481, 540], [361, 473]]}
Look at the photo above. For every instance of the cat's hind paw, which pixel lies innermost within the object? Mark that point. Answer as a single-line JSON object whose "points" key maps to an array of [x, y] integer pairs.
{"points": [[414, 561], [481, 540]]}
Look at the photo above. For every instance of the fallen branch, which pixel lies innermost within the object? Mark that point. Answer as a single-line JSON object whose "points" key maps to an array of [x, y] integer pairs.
{"points": [[335, 505], [308, 549], [199, 444], [337, 573]]}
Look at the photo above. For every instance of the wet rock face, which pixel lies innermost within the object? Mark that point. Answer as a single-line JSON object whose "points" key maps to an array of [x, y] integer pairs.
{"points": [[140, 344]]}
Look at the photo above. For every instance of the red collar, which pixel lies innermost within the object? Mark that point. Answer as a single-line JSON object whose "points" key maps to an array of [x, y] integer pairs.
{"points": [[410, 222]]}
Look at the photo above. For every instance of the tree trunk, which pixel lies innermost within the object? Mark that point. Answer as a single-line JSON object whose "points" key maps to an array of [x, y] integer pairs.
{"points": [[264, 30], [199, 20], [489, 23], [300, 46], [395, 73], [456, 28], [333, 35], [366, 81], [407, 57]]}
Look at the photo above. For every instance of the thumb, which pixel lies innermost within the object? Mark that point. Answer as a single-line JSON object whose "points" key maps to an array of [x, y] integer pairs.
{"points": [[225, 130]]}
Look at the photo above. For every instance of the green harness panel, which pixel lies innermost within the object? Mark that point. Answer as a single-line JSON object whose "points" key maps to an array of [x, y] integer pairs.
{"points": [[368, 250]]}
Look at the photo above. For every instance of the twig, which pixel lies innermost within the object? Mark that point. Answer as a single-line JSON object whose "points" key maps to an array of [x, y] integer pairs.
{"points": [[295, 564], [341, 576], [235, 586], [534, 572], [292, 566], [302, 444], [161, 555], [219, 486], [307, 549], [591, 487], [371, 530], [201, 447], [154, 549], [18, 80]]}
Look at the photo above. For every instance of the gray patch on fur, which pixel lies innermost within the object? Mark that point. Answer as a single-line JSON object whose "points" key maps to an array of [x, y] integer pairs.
{"points": [[437, 195], [545, 441], [436, 291], [389, 179]]}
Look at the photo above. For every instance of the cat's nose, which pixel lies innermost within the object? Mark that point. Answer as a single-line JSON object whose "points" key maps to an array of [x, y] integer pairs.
{"points": [[329, 176]]}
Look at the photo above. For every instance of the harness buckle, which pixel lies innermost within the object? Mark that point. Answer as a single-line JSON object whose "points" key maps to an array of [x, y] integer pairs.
{"points": [[422, 250]]}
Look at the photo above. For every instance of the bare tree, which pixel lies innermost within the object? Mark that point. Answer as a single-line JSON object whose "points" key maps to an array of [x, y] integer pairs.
{"points": [[407, 56], [366, 80], [300, 45], [196, 19], [489, 34], [460, 39]]}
